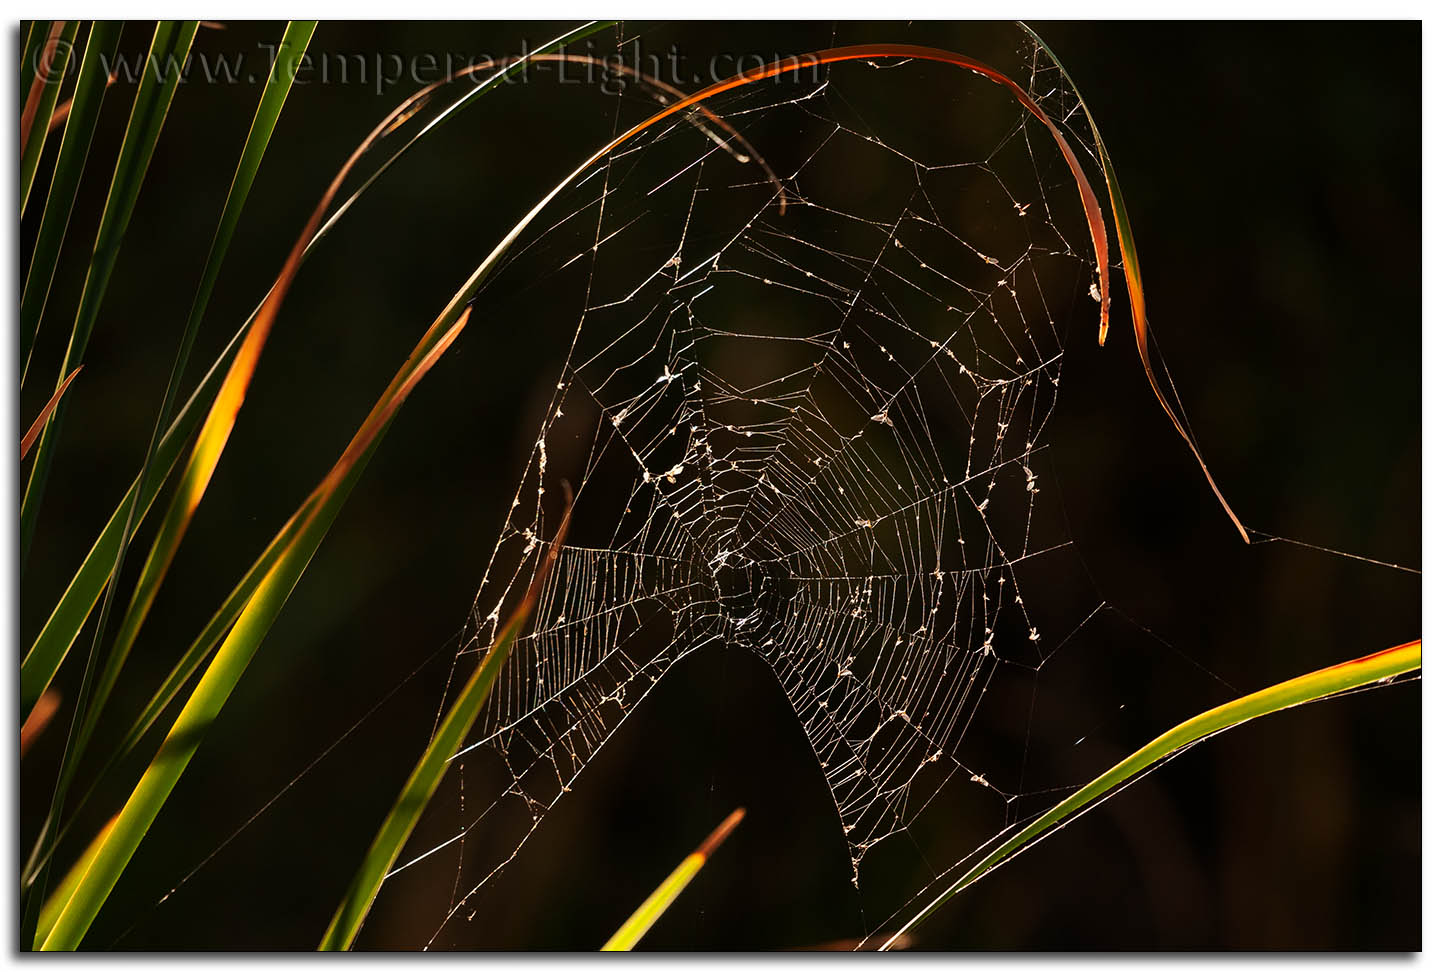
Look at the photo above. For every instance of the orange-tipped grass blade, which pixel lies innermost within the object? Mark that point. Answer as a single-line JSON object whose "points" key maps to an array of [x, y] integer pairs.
{"points": [[640, 922], [1132, 268], [38, 719], [39, 423]]}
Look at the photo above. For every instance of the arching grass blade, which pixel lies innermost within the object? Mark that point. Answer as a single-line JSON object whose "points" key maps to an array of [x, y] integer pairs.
{"points": [[422, 783], [1325, 683], [1132, 270], [60, 631], [640, 922]]}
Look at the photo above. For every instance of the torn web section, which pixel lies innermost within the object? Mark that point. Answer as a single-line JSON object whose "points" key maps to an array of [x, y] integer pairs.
{"points": [[803, 407]]}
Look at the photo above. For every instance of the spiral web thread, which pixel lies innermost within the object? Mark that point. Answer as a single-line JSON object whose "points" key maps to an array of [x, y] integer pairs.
{"points": [[813, 434]]}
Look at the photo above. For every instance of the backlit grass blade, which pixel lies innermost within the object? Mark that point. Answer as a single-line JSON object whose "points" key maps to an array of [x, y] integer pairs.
{"points": [[1132, 268], [34, 433], [92, 701], [63, 626], [416, 101], [38, 720], [32, 35], [197, 473], [69, 883], [168, 50], [422, 783], [70, 612], [53, 58], [40, 665], [1373, 669], [223, 618], [229, 663], [670, 889], [219, 422], [85, 104]]}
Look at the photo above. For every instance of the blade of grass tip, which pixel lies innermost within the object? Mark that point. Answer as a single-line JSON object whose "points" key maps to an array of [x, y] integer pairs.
{"points": [[56, 902], [1378, 668], [431, 768], [90, 88], [83, 593], [197, 474], [168, 50], [38, 719], [224, 671], [1132, 268], [640, 922], [34, 433], [40, 103]]}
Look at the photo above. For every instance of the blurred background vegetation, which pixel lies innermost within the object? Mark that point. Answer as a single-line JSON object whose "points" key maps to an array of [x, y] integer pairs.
{"points": [[1273, 177]]}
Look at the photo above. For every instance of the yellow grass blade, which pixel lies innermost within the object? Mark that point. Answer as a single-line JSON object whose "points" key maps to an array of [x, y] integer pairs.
{"points": [[670, 889]]}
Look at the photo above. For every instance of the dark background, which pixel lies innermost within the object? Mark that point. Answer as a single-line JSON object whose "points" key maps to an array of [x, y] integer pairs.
{"points": [[1273, 178]]}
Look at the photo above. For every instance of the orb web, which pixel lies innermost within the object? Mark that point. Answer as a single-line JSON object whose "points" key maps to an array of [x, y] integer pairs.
{"points": [[802, 401]]}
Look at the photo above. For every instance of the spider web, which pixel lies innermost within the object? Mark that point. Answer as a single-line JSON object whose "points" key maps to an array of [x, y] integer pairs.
{"points": [[803, 406]]}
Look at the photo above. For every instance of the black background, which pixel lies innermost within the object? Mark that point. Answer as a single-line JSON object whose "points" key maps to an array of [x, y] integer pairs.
{"points": [[1273, 176]]}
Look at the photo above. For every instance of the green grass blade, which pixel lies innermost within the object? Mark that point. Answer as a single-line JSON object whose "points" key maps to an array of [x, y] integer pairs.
{"points": [[228, 664], [49, 72], [197, 473], [640, 922], [75, 141], [168, 50], [60, 632], [92, 703], [32, 33], [1325, 683], [422, 783]]}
